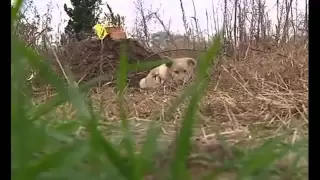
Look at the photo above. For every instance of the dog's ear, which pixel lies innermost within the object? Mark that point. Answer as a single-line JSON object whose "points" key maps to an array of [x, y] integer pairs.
{"points": [[168, 61], [169, 64], [191, 62]]}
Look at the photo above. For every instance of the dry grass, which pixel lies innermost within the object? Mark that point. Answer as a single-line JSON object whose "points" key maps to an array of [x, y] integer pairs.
{"points": [[249, 100], [265, 88]]}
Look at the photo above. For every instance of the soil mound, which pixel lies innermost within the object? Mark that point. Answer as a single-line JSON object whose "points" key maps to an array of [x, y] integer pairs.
{"points": [[90, 58]]}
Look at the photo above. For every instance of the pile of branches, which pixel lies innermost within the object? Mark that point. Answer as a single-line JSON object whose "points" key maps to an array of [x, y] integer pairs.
{"points": [[92, 58]]}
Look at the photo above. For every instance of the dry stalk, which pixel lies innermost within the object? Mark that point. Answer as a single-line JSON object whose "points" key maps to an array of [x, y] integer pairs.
{"points": [[166, 29], [60, 65]]}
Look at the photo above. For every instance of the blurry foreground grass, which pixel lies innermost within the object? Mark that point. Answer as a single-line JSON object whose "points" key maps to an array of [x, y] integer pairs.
{"points": [[43, 149]]}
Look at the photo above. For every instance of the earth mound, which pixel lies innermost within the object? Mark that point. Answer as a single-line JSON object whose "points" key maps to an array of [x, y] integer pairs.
{"points": [[92, 58]]}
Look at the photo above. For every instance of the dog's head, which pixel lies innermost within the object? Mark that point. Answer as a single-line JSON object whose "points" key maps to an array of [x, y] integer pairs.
{"points": [[175, 69], [182, 68]]}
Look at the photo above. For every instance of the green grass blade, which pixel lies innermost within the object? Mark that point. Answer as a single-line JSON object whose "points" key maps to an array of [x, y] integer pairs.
{"points": [[100, 145], [63, 157], [77, 100], [148, 149], [202, 69], [15, 10], [147, 65], [183, 141], [58, 99], [122, 70], [47, 74], [67, 126], [122, 165], [37, 62], [121, 84], [20, 126], [262, 157]]}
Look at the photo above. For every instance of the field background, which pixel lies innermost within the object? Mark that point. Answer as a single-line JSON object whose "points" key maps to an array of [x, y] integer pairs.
{"points": [[257, 90]]}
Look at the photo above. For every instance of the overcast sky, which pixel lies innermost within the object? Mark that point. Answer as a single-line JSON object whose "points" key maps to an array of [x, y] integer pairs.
{"points": [[169, 10]]}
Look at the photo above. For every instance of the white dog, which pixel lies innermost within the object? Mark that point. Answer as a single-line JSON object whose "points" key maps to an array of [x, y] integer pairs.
{"points": [[179, 69]]}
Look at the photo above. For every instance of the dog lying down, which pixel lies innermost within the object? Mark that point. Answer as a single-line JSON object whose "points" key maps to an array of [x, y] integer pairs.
{"points": [[179, 69]]}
